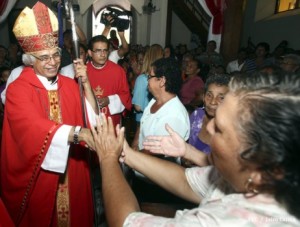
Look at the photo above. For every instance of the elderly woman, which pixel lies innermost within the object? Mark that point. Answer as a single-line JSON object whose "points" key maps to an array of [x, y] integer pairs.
{"points": [[164, 83], [216, 86], [253, 179]]}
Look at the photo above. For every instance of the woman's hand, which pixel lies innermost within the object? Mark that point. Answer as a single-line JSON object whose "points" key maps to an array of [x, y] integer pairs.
{"points": [[108, 144], [172, 145]]}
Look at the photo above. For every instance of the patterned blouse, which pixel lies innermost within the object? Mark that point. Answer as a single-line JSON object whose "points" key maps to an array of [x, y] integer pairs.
{"points": [[196, 121], [220, 206]]}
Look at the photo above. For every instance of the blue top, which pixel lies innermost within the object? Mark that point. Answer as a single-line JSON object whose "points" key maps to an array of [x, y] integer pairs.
{"points": [[140, 94]]}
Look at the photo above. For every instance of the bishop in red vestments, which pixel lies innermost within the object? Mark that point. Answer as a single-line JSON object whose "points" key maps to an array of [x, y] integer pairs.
{"points": [[45, 177]]}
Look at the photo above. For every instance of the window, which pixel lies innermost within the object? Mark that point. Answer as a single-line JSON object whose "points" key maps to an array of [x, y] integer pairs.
{"points": [[285, 5]]}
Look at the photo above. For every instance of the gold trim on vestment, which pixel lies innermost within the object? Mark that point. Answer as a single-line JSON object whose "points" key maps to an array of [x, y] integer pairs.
{"points": [[62, 198], [55, 114], [62, 202]]}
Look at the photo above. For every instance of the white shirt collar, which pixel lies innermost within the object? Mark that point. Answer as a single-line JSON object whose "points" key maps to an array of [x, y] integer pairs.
{"points": [[48, 84]]}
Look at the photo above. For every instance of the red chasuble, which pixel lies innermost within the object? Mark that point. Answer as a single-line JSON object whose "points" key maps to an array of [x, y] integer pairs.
{"points": [[28, 191], [110, 80]]}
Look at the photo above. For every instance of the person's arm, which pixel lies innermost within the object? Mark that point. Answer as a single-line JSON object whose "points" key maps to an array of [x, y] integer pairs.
{"points": [[113, 102], [85, 135], [124, 45], [81, 35], [107, 26], [173, 145], [116, 191], [166, 174], [135, 141], [137, 108], [81, 71], [119, 200], [106, 30], [56, 158]]}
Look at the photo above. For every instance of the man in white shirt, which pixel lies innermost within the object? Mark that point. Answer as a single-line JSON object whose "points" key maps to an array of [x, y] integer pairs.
{"points": [[237, 65]]}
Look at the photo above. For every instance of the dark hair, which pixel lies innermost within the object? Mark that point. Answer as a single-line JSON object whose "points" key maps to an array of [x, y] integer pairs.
{"points": [[264, 45], [97, 38], [67, 32], [84, 47], [212, 41], [168, 68], [170, 47], [3, 47], [269, 121], [4, 68], [198, 63], [219, 79]]}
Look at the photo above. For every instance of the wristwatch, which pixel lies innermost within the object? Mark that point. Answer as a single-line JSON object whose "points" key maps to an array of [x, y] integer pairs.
{"points": [[76, 133]]}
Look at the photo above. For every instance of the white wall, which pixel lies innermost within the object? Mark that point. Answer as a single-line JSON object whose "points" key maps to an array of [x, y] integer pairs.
{"points": [[141, 32], [151, 29], [159, 23]]}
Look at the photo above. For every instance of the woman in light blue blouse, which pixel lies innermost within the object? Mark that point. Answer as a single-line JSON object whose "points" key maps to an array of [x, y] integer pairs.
{"points": [[141, 95]]}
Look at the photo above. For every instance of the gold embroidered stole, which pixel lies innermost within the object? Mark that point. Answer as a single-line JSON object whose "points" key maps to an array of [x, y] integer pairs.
{"points": [[62, 198]]}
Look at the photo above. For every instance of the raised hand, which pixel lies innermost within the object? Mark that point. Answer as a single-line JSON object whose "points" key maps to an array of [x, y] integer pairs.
{"points": [[108, 144], [172, 145]]}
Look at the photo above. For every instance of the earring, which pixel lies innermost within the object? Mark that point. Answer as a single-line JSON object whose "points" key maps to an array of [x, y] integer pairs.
{"points": [[249, 186]]}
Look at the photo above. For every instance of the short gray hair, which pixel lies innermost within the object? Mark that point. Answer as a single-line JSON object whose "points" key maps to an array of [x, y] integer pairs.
{"points": [[28, 59]]}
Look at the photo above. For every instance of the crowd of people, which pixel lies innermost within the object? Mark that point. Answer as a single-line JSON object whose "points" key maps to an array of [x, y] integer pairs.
{"points": [[223, 136]]}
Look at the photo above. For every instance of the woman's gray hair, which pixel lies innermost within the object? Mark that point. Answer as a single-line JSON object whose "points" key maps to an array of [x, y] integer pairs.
{"points": [[269, 128]]}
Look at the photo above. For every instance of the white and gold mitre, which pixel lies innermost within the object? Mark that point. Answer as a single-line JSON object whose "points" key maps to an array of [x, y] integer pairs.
{"points": [[36, 29]]}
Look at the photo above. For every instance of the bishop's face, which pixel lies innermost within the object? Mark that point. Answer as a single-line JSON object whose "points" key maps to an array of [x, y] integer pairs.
{"points": [[47, 62]]}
